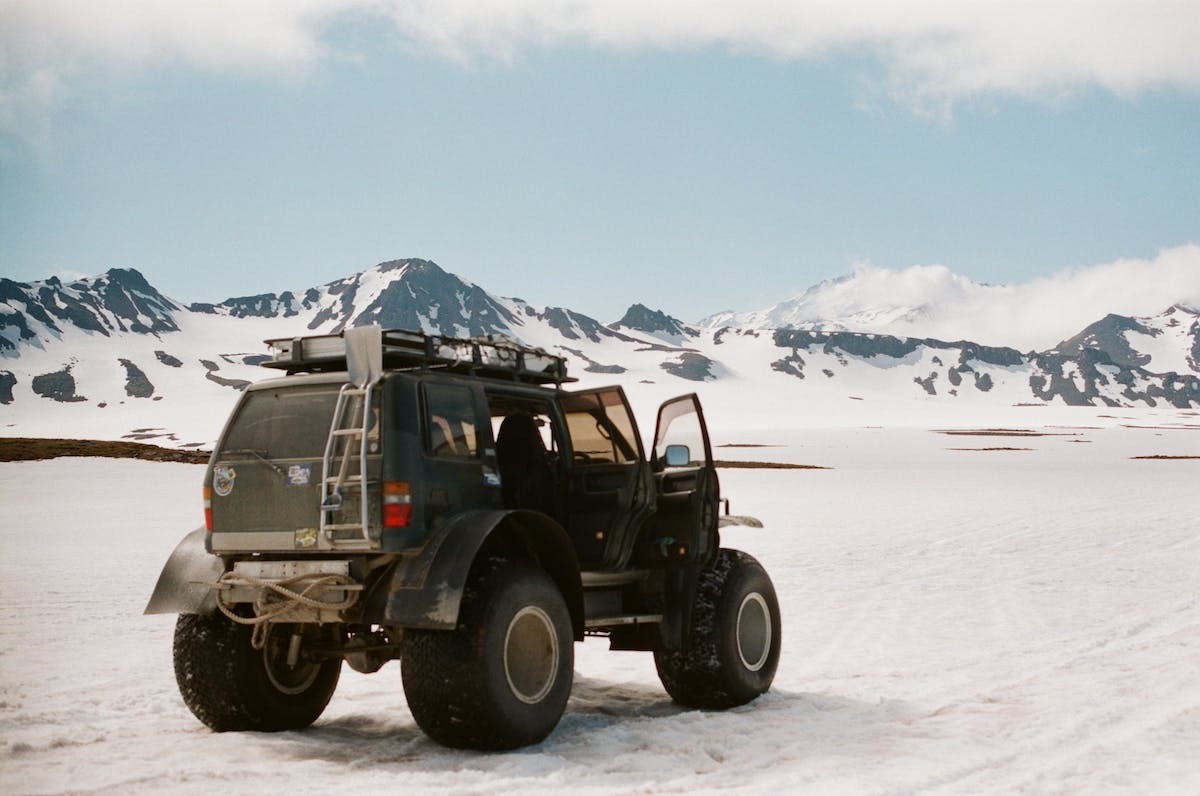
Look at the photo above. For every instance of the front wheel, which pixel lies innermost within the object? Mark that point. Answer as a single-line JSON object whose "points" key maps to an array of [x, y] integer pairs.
{"points": [[501, 679], [229, 685], [734, 641]]}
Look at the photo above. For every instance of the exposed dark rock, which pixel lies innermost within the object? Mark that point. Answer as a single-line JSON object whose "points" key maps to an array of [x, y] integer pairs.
{"points": [[1194, 356], [853, 343], [256, 359], [640, 318], [792, 364], [691, 366], [424, 289], [264, 305], [119, 300], [1050, 382], [66, 307], [592, 365], [136, 383], [212, 368], [560, 320], [954, 376], [983, 382], [22, 294], [167, 359], [992, 355], [57, 386], [1108, 335], [7, 382], [1095, 369], [927, 383], [827, 372]]}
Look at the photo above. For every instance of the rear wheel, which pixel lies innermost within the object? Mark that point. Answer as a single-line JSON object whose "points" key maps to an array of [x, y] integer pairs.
{"points": [[501, 679], [735, 637], [229, 685]]}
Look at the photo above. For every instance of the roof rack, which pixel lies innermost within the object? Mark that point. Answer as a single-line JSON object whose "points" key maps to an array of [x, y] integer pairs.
{"points": [[404, 349]]}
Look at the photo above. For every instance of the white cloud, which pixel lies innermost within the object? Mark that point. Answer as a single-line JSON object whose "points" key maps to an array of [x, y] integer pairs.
{"points": [[934, 52], [933, 301], [45, 45]]}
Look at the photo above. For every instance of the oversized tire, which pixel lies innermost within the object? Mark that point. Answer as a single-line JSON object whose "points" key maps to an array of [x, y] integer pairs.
{"points": [[229, 685], [501, 679], [735, 637]]}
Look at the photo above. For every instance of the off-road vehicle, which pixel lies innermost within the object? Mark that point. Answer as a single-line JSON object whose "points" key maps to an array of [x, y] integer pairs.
{"points": [[447, 503]]}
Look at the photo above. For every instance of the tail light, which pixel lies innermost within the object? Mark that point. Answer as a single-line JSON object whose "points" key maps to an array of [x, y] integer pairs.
{"points": [[397, 504], [208, 521]]}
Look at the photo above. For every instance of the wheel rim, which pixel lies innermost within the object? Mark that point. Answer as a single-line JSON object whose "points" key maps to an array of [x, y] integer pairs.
{"points": [[531, 655], [289, 680], [754, 631]]}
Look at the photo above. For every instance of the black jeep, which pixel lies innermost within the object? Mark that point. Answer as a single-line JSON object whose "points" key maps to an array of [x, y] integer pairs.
{"points": [[448, 503]]}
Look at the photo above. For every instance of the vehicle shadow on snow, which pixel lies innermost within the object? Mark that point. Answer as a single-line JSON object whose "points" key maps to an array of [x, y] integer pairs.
{"points": [[625, 714], [813, 720]]}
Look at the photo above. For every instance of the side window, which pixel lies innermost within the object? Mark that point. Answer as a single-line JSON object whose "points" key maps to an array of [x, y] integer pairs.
{"points": [[679, 427], [450, 421], [600, 427]]}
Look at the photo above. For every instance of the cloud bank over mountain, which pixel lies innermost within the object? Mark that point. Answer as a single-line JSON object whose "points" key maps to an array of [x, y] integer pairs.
{"points": [[933, 301], [930, 53]]}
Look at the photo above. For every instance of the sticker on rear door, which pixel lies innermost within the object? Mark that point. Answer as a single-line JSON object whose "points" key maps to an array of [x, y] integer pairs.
{"points": [[223, 480], [299, 474]]}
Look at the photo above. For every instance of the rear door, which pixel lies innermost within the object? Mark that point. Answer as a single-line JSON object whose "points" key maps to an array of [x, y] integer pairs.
{"points": [[686, 480]]}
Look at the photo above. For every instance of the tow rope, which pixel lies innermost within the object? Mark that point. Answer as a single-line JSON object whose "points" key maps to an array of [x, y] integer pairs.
{"points": [[277, 597]]}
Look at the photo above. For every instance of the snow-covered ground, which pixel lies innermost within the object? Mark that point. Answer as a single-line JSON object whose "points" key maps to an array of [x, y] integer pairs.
{"points": [[954, 620]]}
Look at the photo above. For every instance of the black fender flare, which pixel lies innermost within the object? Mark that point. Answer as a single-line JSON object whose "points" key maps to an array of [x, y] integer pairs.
{"points": [[426, 590], [185, 585]]}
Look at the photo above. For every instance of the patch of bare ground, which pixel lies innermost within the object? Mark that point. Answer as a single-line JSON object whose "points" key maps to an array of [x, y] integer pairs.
{"points": [[989, 449], [1180, 427], [1000, 432], [1161, 457], [747, 445], [27, 449], [734, 465]]}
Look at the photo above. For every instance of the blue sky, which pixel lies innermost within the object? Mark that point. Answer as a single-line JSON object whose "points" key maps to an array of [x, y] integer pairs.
{"points": [[589, 161]]}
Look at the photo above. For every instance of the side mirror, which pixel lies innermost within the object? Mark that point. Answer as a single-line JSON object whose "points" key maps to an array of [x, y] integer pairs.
{"points": [[677, 456]]}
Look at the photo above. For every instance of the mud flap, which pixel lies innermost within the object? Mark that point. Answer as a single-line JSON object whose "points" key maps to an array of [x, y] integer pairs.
{"points": [[679, 595], [186, 583], [426, 591]]}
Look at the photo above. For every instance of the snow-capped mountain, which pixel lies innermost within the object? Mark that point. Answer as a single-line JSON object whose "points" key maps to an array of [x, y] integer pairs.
{"points": [[933, 301], [656, 323], [118, 301], [1165, 343], [112, 357], [867, 300]]}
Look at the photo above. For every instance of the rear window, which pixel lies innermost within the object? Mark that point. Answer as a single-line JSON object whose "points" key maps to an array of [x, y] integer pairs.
{"points": [[288, 423]]}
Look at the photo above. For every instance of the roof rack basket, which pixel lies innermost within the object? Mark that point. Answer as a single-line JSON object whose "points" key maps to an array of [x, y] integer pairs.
{"points": [[403, 349]]}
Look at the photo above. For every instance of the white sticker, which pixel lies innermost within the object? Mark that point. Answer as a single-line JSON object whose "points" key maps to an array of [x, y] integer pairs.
{"points": [[299, 474]]}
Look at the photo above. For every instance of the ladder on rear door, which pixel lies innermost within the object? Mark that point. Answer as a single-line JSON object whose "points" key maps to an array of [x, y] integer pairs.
{"points": [[344, 470]]}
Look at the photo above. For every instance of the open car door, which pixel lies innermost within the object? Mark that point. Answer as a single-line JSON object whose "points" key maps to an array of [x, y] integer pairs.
{"points": [[688, 491]]}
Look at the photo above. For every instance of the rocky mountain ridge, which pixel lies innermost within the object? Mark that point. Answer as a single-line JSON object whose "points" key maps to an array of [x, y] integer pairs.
{"points": [[115, 342]]}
